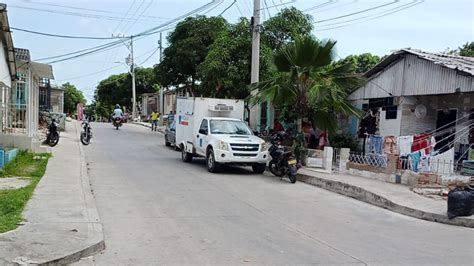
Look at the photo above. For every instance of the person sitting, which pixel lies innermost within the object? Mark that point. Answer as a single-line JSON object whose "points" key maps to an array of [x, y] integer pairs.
{"points": [[277, 126]]}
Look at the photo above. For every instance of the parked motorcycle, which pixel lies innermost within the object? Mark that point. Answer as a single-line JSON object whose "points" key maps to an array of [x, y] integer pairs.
{"points": [[86, 133], [52, 134], [117, 122], [282, 161]]}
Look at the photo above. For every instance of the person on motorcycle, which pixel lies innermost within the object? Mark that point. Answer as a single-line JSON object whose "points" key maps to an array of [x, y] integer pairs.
{"points": [[117, 112]]}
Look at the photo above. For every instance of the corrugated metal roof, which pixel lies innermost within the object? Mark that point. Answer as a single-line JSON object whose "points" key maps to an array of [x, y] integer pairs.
{"points": [[22, 54], [43, 70], [409, 72], [456, 62]]}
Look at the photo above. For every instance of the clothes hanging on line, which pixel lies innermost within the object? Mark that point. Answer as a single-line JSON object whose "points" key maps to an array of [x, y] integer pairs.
{"points": [[375, 144], [420, 141], [414, 158], [404, 145], [390, 145]]}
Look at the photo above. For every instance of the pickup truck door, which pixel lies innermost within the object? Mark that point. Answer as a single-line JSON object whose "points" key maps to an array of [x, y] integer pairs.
{"points": [[201, 137]]}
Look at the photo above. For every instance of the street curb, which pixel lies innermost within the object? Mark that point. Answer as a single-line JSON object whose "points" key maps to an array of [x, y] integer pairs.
{"points": [[92, 212], [148, 126], [380, 201]]}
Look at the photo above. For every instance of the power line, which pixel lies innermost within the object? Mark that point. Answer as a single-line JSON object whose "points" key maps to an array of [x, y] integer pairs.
{"points": [[268, 9], [89, 9], [337, 6], [125, 28], [95, 16], [64, 36], [358, 12], [90, 74], [154, 52], [240, 11], [227, 8], [126, 14], [320, 5], [372, 15], [114, 44], [376, 17]]}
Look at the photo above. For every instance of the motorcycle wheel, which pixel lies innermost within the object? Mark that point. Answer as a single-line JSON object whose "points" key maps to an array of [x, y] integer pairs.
{"points": [[85, 139], [273, 169], [53, 139], [117, 126], [292, 171]]}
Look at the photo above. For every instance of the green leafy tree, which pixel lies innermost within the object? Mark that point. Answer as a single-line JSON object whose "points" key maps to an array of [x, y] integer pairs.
{"points": [[117, 89], [362, 62], [188, 46], [466, 50], [285, 27], [308, 81], [226, 70], [72, 96]]}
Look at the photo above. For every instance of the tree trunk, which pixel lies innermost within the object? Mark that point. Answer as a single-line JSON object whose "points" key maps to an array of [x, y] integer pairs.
{"points": [[299, 124]]}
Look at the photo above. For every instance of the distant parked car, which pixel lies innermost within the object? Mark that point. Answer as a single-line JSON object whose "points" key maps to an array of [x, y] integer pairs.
{"points": [[170, 135]]}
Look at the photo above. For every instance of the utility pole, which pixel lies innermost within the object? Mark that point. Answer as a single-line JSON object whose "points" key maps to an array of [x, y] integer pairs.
{"points": [[254, 78], [130, 60], [162, 100]]}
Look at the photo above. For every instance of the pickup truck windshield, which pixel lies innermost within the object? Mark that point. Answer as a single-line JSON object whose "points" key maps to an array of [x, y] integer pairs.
{"points": [[229, 127]]}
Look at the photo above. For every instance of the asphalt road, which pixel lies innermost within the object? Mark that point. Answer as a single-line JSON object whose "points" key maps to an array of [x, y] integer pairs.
{"points": [[157, 210]]}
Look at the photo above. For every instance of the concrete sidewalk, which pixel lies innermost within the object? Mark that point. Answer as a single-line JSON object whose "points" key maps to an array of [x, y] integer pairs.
{"points": [[395, 197], [61, 220]]}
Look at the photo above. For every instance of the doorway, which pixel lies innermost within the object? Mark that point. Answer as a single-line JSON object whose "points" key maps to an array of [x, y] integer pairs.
{"points": [[446, 121]]}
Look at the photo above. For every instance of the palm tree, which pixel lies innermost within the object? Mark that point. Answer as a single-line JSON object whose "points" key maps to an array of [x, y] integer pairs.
{"points": [[308, 79]]}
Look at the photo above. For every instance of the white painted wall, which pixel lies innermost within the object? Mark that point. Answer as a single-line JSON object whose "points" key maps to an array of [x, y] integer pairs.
{"points": [[390, 127], [4, 70]]}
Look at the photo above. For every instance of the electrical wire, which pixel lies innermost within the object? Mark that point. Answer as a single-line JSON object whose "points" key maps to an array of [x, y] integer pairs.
{"points": [[64, 36], [319, 5], [372, 15], [358, 12], [114, 44], [125, 28], [154, 52], [227, 8], [268, 9], [126, 14], [238, 9], [87, 9], [376, 17], [77, 14]]}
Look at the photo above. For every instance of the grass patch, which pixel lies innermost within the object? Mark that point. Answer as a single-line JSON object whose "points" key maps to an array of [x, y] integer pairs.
{"points": [[12, 201]]}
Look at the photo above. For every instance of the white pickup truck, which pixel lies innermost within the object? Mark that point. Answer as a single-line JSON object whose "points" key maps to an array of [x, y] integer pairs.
{"points": [[213, 128]]}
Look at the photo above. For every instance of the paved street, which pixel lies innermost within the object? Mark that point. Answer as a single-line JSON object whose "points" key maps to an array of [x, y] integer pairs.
{"points": [[158, 210]]}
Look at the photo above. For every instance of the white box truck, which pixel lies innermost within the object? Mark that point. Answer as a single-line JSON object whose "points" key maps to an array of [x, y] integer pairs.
{"points": [[214, 129]]}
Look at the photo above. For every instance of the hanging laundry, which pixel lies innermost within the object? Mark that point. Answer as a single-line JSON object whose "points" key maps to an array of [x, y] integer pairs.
{"points": [[415, 160], [390, 145], [404, 145], [420, 141], [443, 163], [375, 144]]}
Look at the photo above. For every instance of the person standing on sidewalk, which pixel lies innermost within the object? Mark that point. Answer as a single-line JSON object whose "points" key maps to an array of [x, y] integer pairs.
{"points": [[154, 120]]}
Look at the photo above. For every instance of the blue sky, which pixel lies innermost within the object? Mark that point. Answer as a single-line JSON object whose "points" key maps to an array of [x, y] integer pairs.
{"points": [[431, 25]]}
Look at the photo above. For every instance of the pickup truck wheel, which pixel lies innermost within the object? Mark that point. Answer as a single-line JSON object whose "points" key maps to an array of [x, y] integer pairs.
{"points": [[259, 168], [186, 156], [212, 165]]}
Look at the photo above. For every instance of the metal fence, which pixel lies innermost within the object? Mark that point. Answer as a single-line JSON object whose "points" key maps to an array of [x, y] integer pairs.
{"points": [[378, 160], [13, 118]]}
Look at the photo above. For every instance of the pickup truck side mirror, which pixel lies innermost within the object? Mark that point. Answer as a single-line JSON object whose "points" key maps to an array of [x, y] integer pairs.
{"points": [[203, 131]]}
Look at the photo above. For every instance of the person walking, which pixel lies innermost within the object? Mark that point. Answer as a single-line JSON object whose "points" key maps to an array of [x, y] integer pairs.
{"points": [[154, 120]]}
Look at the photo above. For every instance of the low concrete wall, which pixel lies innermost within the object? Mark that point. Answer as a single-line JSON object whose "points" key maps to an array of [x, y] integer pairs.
{"points": [[21, 142], [377, 200]]}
